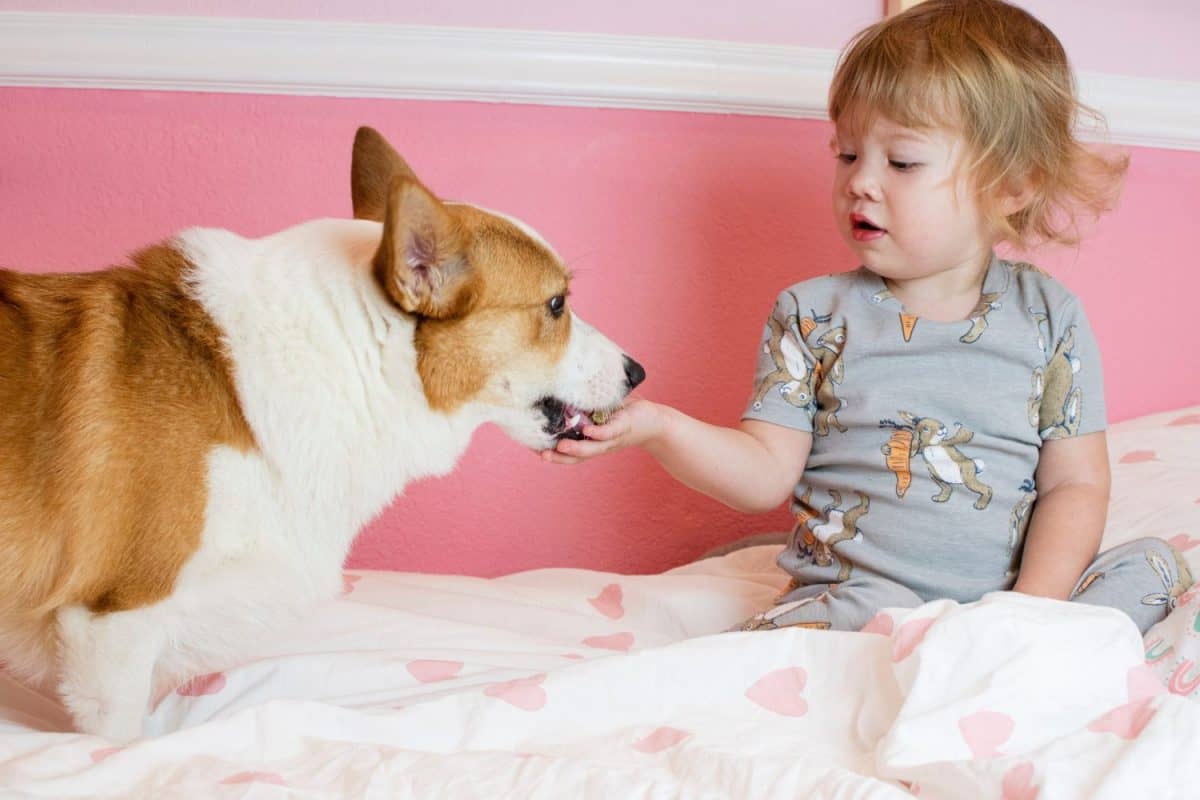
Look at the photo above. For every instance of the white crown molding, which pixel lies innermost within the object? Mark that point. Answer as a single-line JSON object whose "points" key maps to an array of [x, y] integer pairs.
{"points": [[370, 60]]}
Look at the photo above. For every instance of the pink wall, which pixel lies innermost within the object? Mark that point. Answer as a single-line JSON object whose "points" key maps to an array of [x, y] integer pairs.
{"points": [[1150, 39], [681, 229]]}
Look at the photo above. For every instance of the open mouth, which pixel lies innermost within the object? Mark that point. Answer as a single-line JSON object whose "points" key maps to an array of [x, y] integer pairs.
{"points": [[859, 223], [563, 420]]}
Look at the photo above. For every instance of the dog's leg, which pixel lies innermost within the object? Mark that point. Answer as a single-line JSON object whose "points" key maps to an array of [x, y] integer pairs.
{"points": [[106, 669]]}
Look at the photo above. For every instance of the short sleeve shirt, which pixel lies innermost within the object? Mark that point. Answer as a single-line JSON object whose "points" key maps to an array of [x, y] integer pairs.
{"points": [[926, 435]]}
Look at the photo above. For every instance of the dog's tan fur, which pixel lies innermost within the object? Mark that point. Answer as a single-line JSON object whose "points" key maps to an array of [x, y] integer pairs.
{"points": [[114, 388]]}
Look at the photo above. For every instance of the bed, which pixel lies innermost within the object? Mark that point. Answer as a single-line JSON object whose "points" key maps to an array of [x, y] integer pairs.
{"points": [[564, 683]]}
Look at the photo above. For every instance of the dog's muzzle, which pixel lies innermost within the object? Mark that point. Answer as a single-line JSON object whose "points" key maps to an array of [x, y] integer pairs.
{"points": [[566, 421]]}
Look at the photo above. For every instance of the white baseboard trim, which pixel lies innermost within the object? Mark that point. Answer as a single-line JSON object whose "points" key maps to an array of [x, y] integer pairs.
{"points": [[346, 59]]}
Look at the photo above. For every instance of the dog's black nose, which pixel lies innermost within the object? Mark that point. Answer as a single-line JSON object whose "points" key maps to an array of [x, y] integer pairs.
{"points": [[634, 374]]}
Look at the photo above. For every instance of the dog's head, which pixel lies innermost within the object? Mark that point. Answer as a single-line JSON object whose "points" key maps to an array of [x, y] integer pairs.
{"points": [[494, 324]]}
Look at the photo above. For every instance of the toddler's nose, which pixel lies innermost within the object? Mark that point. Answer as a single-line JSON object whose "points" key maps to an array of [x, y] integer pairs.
{"points": [[863, 184]]}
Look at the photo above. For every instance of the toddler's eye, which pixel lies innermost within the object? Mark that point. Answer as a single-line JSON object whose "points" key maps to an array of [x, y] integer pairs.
{"points": [[846, 158], [903, 166]]}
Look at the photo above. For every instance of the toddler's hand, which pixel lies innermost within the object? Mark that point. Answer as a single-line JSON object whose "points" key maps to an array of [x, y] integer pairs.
{"points": [[636, 423]]}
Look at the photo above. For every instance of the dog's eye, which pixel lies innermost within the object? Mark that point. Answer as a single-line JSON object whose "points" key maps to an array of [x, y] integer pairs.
{"points": [[557, 305]]}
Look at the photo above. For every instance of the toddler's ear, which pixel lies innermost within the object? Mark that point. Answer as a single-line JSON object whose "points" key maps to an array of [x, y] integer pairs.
{"points": [[1016, 194]]}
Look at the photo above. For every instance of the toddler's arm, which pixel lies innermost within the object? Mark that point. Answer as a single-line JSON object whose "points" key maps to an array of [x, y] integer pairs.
{"points": [[752, 468], [1068, 517]]}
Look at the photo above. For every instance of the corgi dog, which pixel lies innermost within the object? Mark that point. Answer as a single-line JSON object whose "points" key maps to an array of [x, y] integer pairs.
{"points": [[190, 444]]}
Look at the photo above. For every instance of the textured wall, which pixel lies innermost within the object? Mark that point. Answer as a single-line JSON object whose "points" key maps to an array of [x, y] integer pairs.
{"points": [[681, 229]]}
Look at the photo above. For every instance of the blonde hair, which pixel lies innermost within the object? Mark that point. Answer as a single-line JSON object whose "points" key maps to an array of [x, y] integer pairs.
{"points": [[1001, 77]]}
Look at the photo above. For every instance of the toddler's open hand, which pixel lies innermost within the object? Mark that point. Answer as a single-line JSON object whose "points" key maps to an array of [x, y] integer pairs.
{"points": [[639, 421]]}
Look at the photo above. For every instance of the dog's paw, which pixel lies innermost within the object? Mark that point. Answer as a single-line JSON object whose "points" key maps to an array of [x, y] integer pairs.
{"points": [[96, 718]]}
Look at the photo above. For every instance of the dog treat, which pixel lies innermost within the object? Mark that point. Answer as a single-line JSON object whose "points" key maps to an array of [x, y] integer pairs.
{"points": [[602, 416]]}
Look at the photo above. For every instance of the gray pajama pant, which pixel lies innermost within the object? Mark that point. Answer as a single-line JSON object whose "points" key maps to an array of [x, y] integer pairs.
{"points": [[1142, 578]]}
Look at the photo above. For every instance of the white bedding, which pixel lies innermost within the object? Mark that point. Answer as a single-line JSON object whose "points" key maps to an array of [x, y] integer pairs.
{"points": [[575, 684]]}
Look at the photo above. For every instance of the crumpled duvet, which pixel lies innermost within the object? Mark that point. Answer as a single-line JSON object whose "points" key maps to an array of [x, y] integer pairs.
{"points": [[576, 684]]}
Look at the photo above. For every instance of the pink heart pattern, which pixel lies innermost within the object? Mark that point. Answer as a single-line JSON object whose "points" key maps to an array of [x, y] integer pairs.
{"points": [[433, 670], [880, 623], [985, 731], [526, 694], [255, 777], [1143, 682], [660, 739], [1018, 783], [103, 753], [908, 637], [1139, 456], [779, 691], [202, 685], [1127, 721], [1183, 542], [609, 601], [615, 641]]}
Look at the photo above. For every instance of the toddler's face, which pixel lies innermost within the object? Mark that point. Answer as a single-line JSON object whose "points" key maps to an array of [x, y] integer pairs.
{"points": [[902, 203]]}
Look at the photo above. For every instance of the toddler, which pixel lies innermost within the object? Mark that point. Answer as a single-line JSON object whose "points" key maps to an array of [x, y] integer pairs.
{"points": [[937, 415]]}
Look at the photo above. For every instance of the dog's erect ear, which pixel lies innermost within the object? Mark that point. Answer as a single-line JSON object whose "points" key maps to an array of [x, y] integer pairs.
{"points": [[373, 166], [422, 260]]}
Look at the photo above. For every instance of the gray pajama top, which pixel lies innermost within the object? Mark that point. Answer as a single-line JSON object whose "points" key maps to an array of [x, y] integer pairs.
{"points": [[926, 434]]}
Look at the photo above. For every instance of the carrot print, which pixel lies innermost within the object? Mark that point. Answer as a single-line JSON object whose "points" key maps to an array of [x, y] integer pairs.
{"points": [[898, 452], [802, 510], [907, 323], [792, 585], [1086, 583], [809, 324], [939, 447], [802, 539]]}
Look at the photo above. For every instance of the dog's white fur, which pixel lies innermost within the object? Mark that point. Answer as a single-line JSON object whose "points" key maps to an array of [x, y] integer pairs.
{"points": [[325, 370]]}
